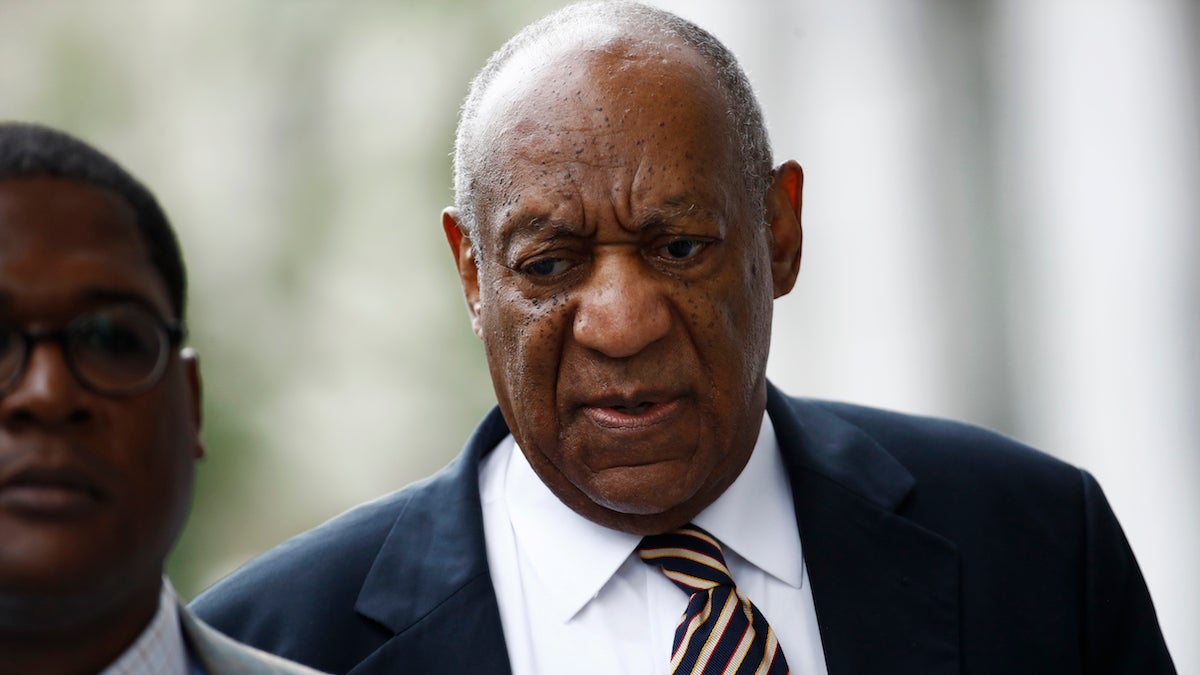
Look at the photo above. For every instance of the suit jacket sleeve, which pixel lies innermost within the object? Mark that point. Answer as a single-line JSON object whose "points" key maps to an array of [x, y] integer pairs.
{"points": [[1121, 628]]}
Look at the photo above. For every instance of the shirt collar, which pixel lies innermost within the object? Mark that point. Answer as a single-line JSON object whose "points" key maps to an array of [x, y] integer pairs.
{"points": [[569, 554], [756, 515], [575, 557], [159, 649]]}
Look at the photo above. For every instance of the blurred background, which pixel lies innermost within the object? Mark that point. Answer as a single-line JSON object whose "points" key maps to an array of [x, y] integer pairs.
{"points": [[1002, 224]]}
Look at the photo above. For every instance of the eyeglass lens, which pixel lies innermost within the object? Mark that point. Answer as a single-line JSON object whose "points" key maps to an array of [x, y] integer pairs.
{"points": [[11, 354], [113, 350]]}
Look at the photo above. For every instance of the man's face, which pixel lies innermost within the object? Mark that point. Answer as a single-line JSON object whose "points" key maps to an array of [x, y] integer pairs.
{"points": [[93, 488], [624, 284]]}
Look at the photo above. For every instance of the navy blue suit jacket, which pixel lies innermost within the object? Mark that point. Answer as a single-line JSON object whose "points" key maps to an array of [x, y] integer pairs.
{"points": [[933, 547]]}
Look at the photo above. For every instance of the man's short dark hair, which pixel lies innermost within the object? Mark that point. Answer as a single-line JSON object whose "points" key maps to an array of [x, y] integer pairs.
{"points": [[35, 151]]}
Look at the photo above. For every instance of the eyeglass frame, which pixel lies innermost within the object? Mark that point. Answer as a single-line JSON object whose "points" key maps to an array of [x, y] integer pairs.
{"points": [[174, 331]]}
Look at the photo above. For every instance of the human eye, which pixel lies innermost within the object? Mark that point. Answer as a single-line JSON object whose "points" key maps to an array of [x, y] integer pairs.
{"points": [[546, 267], [120, 335], [682, 249], [114, 339]]}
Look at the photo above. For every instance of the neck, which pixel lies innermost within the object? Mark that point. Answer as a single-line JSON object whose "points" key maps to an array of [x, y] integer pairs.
{"points": [[62, 637]]}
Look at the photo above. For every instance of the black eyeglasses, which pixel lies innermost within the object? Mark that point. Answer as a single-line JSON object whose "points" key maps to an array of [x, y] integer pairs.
{"points": [[116, 351]]}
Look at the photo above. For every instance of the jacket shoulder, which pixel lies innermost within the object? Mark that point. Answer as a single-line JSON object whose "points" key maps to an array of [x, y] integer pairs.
{"points": [[1033, 535], [345, 544], [956, 474], [299, 597], [924, 443]]}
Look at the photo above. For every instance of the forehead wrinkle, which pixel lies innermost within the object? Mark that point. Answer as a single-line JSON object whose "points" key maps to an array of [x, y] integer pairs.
{"points": [[679, 204], [560, 148], [557, 228], [624, 210], [571, 141], [531, 220]]}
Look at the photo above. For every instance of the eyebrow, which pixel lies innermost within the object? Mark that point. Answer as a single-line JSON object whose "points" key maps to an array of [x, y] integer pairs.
{"points": [[526, 226], [678, 208]]}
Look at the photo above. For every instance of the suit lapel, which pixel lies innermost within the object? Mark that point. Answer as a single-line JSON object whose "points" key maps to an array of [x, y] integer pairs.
{"points": [[430, 583], [886, 590], [220, 655]]}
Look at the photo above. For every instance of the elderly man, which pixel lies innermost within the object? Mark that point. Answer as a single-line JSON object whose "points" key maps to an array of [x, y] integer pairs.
{"points": [[99, 423], [643, 500]]}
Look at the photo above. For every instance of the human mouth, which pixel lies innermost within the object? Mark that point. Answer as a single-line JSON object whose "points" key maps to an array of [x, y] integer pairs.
{"points": [[49, 492], [631, 413]]}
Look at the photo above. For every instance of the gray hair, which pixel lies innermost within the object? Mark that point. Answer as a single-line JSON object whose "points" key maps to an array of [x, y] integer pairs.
{"points": [[744, 113]]}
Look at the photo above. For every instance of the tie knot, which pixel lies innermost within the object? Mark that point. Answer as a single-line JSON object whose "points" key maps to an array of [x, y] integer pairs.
{"points": [[689, 556]]}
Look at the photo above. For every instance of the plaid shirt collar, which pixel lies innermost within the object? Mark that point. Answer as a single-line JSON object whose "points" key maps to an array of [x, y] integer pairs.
{"points": [[159, 650]]}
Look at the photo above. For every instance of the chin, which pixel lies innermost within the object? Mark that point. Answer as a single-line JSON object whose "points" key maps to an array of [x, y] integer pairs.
{"points": [[639, 516], [648, 523], [631, 497]]}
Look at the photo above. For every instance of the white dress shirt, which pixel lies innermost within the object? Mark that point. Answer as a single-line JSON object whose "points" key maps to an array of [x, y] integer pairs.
{"points": [[159, 650], [575, 598]]}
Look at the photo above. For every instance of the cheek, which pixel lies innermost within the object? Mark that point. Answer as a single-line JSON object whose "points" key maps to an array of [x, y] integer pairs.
{"points": [[523, 340], [731, 318], [169, 476], [151, 448]]}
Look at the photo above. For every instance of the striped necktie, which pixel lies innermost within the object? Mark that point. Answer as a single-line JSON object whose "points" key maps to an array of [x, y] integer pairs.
{"points": [[721, 632]]}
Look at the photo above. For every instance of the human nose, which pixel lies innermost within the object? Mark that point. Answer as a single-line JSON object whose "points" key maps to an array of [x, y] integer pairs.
{"points": [[47, 392], [620, 311]]}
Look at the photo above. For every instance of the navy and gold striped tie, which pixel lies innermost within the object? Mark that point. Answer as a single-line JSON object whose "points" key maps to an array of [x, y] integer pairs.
{"points": [[721, 632]]}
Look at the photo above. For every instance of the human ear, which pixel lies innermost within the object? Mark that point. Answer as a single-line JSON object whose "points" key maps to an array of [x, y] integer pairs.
{"points": [[191, 365], [784, 200], [463, 251]]}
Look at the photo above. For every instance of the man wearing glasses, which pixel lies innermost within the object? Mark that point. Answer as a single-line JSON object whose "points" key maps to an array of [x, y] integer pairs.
{"points": [[99, 422]]}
